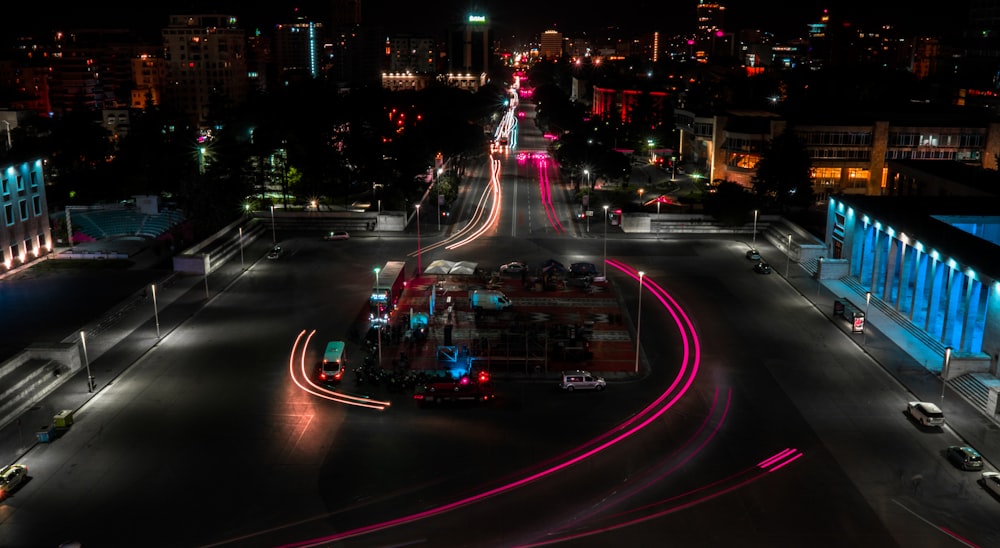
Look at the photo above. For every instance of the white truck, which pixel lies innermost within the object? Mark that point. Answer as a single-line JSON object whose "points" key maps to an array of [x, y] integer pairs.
{"points": [[489, 300]]}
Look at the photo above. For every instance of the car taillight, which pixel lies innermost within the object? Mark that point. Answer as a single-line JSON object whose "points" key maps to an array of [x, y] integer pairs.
{"points": [[339, 374], [322, 376]]}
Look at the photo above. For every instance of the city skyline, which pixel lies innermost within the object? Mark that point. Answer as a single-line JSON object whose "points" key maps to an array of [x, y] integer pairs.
{"points": [[784, 18]]}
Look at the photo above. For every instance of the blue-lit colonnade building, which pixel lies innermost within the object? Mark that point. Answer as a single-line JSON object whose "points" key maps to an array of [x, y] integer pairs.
{"points": [[935, 260]]}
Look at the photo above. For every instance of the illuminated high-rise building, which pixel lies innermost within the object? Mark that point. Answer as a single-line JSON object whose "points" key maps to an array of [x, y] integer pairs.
{"points": [[550, 45], [711, 17], [298, 47]]}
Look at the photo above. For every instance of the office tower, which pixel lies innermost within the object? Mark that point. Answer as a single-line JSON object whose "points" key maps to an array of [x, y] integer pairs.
{"points": [[206, 64], [298, 48], [551, 45], [469, 46]]}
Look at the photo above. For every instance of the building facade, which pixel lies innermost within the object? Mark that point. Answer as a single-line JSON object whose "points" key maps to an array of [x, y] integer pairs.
{"points": [[935, 261], [848, 155], [25, 234]]}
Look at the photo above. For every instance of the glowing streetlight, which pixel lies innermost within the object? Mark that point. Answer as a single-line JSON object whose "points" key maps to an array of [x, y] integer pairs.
{"points": [[638, 327], [754, 245], [864, 326], [156, 312], [86, 362], [604, 268], [945, 370], [788, 254], [641, 190], [587, 173], [378, 324], [274, 238], [419, 269]]}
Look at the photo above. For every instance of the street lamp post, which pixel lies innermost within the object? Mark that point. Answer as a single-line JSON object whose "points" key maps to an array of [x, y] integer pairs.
{"points": [[587, 173], [378, 324], [86, 362], [945, 369], [788, 254], [242, 264], [638, 327], [864, 326], [156, 312], [604, 268], [274, 238], [641, 190], [754, 245], [419, 269]]}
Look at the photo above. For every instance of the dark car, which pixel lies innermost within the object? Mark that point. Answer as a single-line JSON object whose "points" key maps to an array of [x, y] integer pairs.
{"points": [[753, 254], [274, 253], [762, 268], [964, 457], [513, 267], [582, 270]]}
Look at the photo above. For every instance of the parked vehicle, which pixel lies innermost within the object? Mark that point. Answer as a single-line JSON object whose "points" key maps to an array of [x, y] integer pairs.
{"points": [[275, 252], [965, 457], [762, 268], [581, 380], [753, 254], [926, 413], [464, 389], [489, 300], [337, 235], [513, 267], [991, 481]]}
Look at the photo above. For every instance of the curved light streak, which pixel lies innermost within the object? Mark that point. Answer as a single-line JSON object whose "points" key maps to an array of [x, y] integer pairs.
{"points": [[490, 193], [312, 388]]}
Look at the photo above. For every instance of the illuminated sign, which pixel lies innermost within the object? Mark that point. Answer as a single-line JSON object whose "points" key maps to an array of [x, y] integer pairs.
{"points": [[477, 18]]}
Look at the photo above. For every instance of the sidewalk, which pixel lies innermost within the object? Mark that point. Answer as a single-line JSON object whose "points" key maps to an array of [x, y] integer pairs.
{"points": [[911, 362]]}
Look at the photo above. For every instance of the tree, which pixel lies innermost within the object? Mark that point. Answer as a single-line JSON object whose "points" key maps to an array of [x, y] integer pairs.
{"points": [[784, 173]]}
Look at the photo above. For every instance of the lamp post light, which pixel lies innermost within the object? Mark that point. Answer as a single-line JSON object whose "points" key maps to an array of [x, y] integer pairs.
{"points": [[638, 327], [788, 255], [274, 238], [641, 190], [754, 245], [945, 370], [242, 264], [604, 268], [156, 312], [864, 326], [86, 362], [587, 173], [419, 269], [378, 324]]}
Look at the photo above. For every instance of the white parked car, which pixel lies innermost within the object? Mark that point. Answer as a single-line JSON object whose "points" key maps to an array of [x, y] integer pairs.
{"points": [[338, 235], [991, 481], [926, 413]]}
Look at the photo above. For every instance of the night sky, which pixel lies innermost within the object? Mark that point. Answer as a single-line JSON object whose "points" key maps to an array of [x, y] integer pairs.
{"points": [[784, 17]]}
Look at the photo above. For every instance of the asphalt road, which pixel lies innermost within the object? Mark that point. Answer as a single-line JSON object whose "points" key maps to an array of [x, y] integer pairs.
{"points": [[756, 422]]}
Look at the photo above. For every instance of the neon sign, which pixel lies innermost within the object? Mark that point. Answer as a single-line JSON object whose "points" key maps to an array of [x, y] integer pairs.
{"points": [[477, 18]]}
